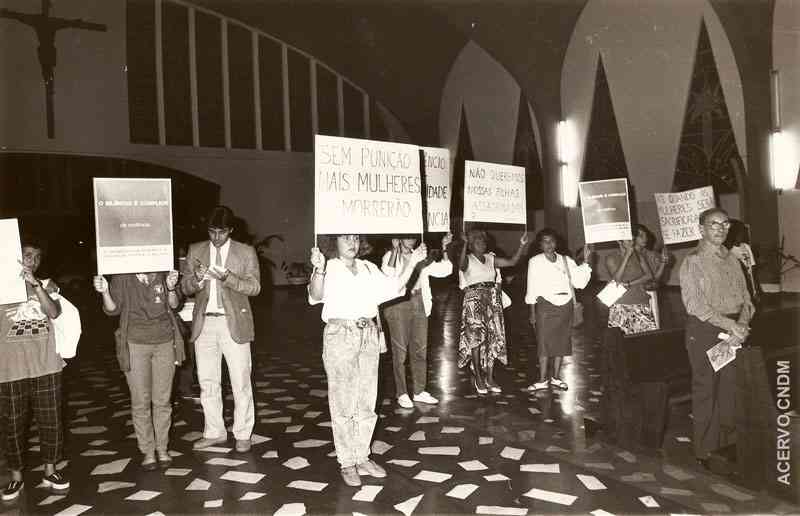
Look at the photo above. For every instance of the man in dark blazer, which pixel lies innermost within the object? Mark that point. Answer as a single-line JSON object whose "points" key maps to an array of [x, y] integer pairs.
{"points": [[222, 274]]}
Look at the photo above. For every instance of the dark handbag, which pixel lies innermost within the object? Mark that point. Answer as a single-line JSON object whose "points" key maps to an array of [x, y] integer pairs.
{"points": [[577, 308]]}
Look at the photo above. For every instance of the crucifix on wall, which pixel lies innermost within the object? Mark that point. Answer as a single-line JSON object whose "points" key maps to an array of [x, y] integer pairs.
{"points": [[46, 28]]}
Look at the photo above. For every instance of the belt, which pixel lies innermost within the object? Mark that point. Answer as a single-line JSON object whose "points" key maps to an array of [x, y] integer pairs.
{"points": [[215, 314], [360, 323]]}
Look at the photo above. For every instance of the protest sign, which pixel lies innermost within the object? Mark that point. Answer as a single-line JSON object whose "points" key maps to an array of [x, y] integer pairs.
{"points": [[494, 193], [679, 213], [12, 286], [605, 210], [133, 225], [365, 186], [438, 174]]}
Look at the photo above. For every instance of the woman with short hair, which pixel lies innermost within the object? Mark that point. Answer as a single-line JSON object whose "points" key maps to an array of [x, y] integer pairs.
{"points": [[350, 290], [552, 279], [638, 269]]}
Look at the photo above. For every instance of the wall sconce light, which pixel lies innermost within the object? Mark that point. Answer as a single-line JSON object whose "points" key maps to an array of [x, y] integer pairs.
{"points": [[782, 161], [775, 84], [566, 157]]}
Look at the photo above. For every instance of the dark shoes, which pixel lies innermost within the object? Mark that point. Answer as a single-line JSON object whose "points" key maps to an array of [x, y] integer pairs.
{"points": [[149, 462], [164, 459], [12, 490], [56, 483]]}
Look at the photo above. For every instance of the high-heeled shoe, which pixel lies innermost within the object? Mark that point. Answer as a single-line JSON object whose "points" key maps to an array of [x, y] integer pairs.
{"points": [[479, 390], [493, 387]]}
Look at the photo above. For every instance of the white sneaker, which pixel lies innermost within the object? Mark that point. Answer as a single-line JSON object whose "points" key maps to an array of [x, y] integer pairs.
{"points": [[425, 397], [404, 401]]}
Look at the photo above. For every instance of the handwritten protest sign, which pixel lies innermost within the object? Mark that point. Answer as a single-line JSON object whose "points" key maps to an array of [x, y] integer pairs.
{"points": [[12, 286], [438, 174], [365, 186], [605, 210], [133, 224], [679, 213], [494, 193]]}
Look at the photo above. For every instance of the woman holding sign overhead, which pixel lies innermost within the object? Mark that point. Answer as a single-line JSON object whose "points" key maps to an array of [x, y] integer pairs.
{"points": [[483, 333], [351, 290], [638, 269], [149, 346], [552, 280]]}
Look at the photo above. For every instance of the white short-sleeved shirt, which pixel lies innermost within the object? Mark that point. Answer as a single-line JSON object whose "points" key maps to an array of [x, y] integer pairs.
{"points": [[549, 279], [352, 296]]}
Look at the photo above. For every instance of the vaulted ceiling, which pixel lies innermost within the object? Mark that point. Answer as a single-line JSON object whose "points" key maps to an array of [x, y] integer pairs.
{"points": [[402, 51]]}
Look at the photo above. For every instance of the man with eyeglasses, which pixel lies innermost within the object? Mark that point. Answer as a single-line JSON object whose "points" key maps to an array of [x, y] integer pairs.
{"points": [[715, 294], [223, 274]]}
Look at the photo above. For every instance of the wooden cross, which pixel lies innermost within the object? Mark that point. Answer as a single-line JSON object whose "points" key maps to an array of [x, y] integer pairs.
{"points": [[46, 28]]}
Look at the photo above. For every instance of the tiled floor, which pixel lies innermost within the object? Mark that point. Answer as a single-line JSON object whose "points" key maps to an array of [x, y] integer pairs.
{"points": [[502, 454]]}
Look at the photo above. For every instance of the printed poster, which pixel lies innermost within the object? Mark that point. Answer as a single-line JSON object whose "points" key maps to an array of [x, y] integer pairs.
{"points": [[12, 286], [605, 210], [133, 224], [494, 193]]}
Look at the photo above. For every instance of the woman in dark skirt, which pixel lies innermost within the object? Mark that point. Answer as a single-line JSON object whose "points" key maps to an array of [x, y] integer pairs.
{"points": [[483, 335], [550, 296]]}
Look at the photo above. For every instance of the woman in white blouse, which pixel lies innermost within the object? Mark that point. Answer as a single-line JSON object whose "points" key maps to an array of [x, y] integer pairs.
{"points": [[483, 334], [550, 295], [351, 290]]}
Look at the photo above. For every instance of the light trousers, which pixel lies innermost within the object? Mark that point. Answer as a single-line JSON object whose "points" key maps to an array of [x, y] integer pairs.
{"points": [[351, 356], [212, 345], [150, 383]]}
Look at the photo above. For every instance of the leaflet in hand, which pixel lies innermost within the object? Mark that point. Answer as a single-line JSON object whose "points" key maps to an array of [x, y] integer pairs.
{"points": [[722, 353], [611, 293]]}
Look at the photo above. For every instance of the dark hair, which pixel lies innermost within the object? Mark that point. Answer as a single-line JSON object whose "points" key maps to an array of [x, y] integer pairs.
{"points": [[221, 217], [33, 242], [546, 232], [648, 234], [327, 245], [711, 211], [737, 234]]}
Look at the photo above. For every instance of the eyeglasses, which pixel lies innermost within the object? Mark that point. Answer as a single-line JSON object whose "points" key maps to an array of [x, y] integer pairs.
{"points": [[719, 225]]}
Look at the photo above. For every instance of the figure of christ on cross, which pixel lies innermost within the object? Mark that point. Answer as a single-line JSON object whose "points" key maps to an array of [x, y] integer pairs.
{"points": [[46, 28]]}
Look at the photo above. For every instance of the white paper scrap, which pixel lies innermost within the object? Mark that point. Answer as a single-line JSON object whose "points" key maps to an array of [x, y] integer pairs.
{"points": [[222, 461], [540, 468], [419, 435], [473, 465], [367, 493], [627, 456], [551, 496], [495, 509], [143, 495], [296, 463], [198, 484], [676, 473], [105, 487], [111, 468], [433, 476], [601, 512], [243, 477], [212, 504], [462, 491], [251, 495], [427, 420], [497, 477], [307, 485], [177, 472], [512, 453], [291, 509], [409, 505], [403, 462], [74, 510], [452, 429], [649, 501], [310, 443], [51, 499], [730, 492], [440, 450], [591, 482], [271, 454], [216, 449], [485, 440]]}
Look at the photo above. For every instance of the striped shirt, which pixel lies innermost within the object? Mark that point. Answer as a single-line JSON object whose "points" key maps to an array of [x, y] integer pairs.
{"points": [[713, 286]]}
